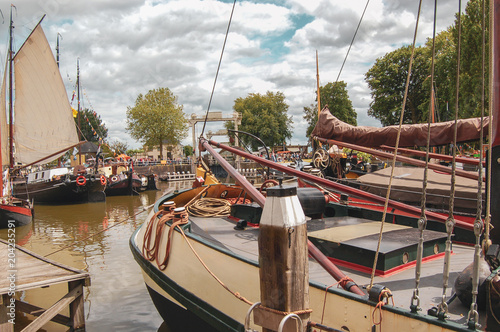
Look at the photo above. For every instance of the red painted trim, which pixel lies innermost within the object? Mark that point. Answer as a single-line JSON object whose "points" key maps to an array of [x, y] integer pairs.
{"points": [[380, 273]]}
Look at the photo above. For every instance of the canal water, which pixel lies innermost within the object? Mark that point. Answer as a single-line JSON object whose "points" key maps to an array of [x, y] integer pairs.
{"points": [[117, 299]]}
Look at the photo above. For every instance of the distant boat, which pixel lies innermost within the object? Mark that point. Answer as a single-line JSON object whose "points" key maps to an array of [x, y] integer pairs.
{"points": [[121, 178], [43, 128]]}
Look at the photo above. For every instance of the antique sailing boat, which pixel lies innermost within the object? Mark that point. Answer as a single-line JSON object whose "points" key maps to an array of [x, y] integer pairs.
{"points": [[43, 128], [210, 269]]}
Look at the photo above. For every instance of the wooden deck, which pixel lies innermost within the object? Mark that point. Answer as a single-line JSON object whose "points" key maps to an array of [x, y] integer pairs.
{"points": [[24, 270]]}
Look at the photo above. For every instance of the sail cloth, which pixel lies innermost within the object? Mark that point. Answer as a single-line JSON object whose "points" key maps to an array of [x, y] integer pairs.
{"points": [[43, 122], [329, 127]]}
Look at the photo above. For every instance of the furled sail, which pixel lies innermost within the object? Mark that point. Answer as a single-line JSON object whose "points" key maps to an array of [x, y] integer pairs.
{"points": [[330, 127], [43, 122]]}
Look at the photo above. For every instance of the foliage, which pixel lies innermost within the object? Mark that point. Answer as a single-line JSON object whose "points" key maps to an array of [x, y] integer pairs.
{"points": [[335, 96], [387, 76], [157, 119], [387, 79], [116, 147], [91, 126], [264, 116], [188, 150], [134, 152]]}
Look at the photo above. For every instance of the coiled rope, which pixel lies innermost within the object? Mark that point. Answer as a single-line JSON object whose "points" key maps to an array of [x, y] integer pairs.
{"points": [[210, 207]]}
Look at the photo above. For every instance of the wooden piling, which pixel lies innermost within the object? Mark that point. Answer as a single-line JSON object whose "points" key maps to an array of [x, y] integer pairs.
{"points": [[283, 260], [33, 271]]}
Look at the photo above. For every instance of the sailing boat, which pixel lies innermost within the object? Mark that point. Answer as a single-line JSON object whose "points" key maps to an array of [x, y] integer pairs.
{"points": [[43, 128], [207, 272]]}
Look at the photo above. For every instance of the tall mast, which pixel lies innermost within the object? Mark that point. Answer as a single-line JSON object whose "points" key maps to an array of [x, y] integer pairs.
{"points": [[11, 108], [57, 49], [317, 84], [78, 114], [495, 111]]}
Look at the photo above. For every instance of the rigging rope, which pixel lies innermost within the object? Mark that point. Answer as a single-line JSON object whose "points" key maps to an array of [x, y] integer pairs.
{"points": [[395, 149], [422, 221], [352, 42], [218, 68], [450, 222], [473, 315]]}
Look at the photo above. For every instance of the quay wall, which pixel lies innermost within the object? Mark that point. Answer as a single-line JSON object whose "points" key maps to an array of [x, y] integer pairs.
{"points": [[162, 170]]}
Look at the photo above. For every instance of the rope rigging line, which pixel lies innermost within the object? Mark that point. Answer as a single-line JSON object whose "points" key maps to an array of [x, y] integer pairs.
{"points": [[473, 315], [422, 222], [218, 68], [450, 222], [352, 41], [393, 164]]}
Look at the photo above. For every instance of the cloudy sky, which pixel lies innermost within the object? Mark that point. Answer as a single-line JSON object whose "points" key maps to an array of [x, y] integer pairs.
{"points": [[129, 47]]}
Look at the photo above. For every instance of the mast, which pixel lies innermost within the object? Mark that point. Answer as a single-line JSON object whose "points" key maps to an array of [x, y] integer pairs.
{"points": [[317, 84], [78, 110], [495, 111], [57, 49], [11, 109]]}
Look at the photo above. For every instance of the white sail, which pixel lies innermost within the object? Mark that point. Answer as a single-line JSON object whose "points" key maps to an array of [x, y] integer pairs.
{"points": [[43, 122]]}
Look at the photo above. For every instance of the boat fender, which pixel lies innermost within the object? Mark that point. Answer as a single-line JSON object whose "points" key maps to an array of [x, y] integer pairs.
{"points": [[81, 180], [103, 180], [92, 178]]}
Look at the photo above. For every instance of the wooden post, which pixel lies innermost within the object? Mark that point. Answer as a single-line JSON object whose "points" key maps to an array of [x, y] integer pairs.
{"points": [[76, 308], [5, 325], [283, 260]]}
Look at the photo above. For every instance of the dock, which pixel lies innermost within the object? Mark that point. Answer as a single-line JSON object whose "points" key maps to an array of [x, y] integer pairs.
{"points": [[25, 270]]}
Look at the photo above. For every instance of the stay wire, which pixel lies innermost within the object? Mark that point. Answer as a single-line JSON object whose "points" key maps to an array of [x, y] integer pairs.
{"points": [[393, 164], [218, 68], [352, 41]]}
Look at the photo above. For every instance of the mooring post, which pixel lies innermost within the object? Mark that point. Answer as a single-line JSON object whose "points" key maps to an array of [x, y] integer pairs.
{"points": [[283, 260]]}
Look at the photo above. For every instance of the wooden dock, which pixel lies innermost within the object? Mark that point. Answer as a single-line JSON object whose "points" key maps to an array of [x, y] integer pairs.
{"points": [[30, 271]]}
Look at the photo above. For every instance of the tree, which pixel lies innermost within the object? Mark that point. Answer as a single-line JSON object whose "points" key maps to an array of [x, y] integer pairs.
{"points": [[336, 97], [91, 126], [387, 80], [116, 147], [388, 75], [264, 116], [157, 119], [188, 150]]}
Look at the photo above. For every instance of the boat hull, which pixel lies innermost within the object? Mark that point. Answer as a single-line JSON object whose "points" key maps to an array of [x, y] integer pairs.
{"points": [[19, 215], [64, 190], [186, 284], [119, 185]]}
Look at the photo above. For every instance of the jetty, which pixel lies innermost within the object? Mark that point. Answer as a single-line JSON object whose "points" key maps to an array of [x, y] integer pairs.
{"points": [[25, 270]]}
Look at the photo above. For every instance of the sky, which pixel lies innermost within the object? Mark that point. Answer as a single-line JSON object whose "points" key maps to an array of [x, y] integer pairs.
{"points": [[128, 47]]}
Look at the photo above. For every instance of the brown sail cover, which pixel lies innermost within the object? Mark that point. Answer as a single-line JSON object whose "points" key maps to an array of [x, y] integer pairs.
{"points": [[330, 127]]}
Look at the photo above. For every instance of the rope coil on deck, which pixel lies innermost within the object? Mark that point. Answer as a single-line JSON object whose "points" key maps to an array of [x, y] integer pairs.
{"points": [[210, 207]]}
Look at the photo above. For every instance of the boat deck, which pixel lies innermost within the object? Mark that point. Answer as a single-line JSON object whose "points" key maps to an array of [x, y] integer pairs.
{"points": [[358, 238]]}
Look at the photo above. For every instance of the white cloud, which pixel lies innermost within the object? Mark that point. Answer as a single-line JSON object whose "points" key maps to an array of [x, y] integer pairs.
{"points": [[128, 47]]}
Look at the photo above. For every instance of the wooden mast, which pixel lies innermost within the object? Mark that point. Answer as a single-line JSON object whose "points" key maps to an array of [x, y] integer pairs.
{"points": [[78, 109], [317, 84], [11, 109], [495, 111]]}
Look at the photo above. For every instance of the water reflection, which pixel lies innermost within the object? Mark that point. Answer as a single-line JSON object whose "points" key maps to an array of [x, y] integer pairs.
{"points": [[117, 299]]}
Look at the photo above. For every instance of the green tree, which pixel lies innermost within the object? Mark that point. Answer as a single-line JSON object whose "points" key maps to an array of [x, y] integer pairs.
{"points": [[91, 126], [188, 150], [471, 60], [116, 147], [336, 97], [387, 80], [264, 116], [157, 119]]}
